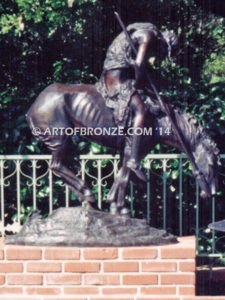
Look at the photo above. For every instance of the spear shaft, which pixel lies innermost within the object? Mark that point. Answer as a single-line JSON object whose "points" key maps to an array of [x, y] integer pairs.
{"points": [[164, 107]]}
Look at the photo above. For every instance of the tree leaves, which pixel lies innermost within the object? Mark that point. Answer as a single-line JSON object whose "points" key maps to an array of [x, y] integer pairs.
{"points": [[46, 41]]}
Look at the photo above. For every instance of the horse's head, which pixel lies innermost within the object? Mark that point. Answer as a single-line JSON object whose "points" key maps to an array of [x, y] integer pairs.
{"points": [[205, 153], [207, 160]]}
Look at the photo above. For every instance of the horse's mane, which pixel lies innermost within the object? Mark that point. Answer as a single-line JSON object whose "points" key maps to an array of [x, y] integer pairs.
{"points": [[192, 130], [195, 133]]}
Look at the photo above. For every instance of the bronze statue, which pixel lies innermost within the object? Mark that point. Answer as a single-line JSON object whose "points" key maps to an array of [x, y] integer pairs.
{"points": [[82, 106], [124, 97]]}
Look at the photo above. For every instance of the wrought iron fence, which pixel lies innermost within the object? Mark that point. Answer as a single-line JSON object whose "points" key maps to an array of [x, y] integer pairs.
{"points": [[169, 200]]}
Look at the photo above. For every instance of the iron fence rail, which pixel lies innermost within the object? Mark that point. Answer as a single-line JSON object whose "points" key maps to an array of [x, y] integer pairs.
{"points": [[29, 184]]}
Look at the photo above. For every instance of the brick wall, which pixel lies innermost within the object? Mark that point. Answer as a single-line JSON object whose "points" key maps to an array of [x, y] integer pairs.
{"points": [[134, 273]]}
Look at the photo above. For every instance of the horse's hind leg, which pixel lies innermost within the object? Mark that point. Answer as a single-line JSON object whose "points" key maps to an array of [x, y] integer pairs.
{"points": [[58, 166]]}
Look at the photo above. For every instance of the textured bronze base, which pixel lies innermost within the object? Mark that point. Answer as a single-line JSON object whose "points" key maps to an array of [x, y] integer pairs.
{"points": [[88, 228]]}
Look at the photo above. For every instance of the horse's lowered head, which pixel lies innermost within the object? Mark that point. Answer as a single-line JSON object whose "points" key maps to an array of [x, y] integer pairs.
{"points": [[204, 151], [207, 159]]}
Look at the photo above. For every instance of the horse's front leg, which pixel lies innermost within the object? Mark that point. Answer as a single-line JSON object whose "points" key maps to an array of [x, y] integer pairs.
{"points": [[122, 192], [117, 193], [111, 197]]}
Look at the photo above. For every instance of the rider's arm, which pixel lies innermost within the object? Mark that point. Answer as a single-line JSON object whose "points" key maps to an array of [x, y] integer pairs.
{"points": [[143, 38]]}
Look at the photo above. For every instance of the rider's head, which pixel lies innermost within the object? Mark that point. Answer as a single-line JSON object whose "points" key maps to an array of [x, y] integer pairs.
{"points": [[172, 42]]}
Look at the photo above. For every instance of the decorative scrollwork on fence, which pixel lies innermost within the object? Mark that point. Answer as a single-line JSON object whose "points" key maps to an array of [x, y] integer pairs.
{"points": [[6, 179], [30, 184]]}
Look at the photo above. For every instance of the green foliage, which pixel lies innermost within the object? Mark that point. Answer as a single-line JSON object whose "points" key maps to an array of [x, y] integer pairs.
{"points": [[65, 41]]}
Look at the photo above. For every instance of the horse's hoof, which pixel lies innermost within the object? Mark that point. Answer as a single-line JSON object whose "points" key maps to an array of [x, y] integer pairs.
{"points": [[113, 209], [125, 212], [87, 205], [136, 168], [109, 200], [90, 199], [88, 196]]}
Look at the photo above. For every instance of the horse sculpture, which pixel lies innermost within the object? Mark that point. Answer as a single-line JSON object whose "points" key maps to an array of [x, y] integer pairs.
{"points": [[61, 106]]}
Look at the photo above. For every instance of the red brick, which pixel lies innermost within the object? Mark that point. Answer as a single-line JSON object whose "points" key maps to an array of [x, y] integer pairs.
{"points": [[100, 253], [64, 298], [2, 279], [140, 279], [21, 298], [63, 279], [101, 279], [178, 253], [25, 253], [1, 254], [44, 267], [164, 298], [178, 279], [11, 290], [189, 241], [81, 291], [121, 267], [62, 253], [205, 298], [24, 279], [187, 266], [139, 253], [119, 291], [11, 267], [114, 298], [43, 291], [158, 290], [82, 267], [186, 290], [159, 266]]}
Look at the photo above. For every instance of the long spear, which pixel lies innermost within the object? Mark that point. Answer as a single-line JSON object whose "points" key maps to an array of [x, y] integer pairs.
{"points": [[164, 107]]}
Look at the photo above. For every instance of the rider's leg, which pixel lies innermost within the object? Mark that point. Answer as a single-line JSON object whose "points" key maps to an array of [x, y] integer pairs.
{"points": [[138, 110]]}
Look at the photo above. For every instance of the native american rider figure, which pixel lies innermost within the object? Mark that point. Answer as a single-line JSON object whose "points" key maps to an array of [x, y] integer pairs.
{"points": [[123, 83]]}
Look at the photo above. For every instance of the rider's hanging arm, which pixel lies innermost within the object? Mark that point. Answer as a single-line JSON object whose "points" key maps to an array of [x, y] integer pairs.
{"points": [[143, 38]]}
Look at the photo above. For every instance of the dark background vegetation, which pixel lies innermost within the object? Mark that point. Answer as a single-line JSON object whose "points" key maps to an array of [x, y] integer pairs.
{"points": [[43, 41]]}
